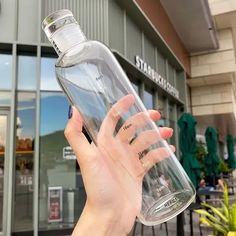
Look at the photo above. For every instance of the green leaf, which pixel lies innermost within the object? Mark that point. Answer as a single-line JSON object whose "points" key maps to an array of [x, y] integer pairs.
{"points": [[206, 213], [204, 221], [232, 217], [225, 210], [217, 227], [226, 196], [217, 212]]}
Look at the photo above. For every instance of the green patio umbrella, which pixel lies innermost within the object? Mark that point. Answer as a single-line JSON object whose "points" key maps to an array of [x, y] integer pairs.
{"points": [[187, 138], [230, 146], [211, 160]]}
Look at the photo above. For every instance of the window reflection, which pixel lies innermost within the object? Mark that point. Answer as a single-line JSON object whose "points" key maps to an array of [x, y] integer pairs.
{"points": [[161, 109], [5, 98], [27, 72], [5, 71], [48, 76], [148, 99], [58, 167], [25, 135], [3, 134]]}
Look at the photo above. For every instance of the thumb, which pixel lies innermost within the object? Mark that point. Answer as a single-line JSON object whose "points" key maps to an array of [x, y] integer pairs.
{"points": [[76, 138]]}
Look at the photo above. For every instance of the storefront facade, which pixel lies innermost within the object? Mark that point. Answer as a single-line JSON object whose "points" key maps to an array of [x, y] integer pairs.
{"points": [[41, 189]]}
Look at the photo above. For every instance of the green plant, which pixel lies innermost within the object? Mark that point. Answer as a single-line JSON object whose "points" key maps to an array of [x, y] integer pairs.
{"points": [[223, 167], [200, 152], [223, 219]]}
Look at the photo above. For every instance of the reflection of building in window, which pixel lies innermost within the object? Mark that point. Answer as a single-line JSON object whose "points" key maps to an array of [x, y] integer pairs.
{"points": [[24, 144], [148, 99], [24, 152]]}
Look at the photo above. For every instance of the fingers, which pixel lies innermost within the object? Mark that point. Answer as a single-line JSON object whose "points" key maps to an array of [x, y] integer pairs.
{"points": [[76, 138], [150, 137], [129, 128], [155, 156], [118, 109]]}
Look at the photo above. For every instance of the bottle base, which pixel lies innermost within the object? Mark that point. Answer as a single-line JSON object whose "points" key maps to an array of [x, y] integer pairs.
{"points": [[167, 207]]}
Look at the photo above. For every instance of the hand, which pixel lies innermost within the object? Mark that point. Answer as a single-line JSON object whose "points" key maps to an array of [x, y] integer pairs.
{"points": [[112, 170]]}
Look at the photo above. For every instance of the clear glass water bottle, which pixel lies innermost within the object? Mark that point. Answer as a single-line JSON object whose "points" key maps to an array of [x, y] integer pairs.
{"points": [[93, 81]]}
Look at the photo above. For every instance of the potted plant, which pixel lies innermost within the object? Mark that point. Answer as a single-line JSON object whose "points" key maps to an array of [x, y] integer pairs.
{"points": [[223, 168], [201, 153], [223, 219]]}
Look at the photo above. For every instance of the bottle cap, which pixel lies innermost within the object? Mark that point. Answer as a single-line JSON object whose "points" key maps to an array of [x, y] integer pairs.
{"points": [[62, 30]]}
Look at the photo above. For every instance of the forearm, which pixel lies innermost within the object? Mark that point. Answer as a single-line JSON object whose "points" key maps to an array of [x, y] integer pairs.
{"points": [[92, 223]]}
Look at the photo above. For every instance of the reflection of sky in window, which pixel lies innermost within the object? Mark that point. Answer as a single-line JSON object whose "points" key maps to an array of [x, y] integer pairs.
{"points": [[26, 114], [54, 112], [26, 72], [5, 71], [148, 100], [48, 76]]}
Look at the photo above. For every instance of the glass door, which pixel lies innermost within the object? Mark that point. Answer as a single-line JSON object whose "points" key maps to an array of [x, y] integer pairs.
{"points": [[3, 169]]}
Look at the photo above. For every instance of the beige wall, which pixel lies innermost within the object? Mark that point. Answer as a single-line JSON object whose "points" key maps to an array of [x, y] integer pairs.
{"points": [[222, 6], [217, 62], [213, 99], [212, 79]]}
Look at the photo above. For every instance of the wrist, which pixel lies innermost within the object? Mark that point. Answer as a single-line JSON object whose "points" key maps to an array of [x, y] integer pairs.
{"points": [[99, 223]]}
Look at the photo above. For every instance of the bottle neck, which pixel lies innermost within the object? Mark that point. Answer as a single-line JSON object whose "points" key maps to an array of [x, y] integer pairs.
{"points": [[66, 38], [62, 31]]}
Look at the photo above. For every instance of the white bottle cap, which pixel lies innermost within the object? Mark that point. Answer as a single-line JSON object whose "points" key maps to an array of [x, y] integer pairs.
{"points": [[62, 30]]}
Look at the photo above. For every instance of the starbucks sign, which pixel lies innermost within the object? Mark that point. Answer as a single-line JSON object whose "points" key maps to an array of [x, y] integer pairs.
{"points": [[157, 78]]}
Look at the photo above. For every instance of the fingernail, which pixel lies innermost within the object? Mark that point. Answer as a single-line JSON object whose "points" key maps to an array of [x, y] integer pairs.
{"points": [[70, 112]]}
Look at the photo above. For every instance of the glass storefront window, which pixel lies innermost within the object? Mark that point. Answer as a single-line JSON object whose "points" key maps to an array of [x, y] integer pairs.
{"points": [[48, 76], [161, 109], [148, 99], [25, 135], [5, 98], [26, 72], [135, 86], [59, 179], [5, 71], [3, 155]]}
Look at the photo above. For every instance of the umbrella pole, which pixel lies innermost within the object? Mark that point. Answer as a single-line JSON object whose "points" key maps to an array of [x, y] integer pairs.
{"points": [[180, 224]]}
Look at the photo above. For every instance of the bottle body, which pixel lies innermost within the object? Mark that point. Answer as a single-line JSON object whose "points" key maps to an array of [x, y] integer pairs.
{"points": [[88, 73], [93, 81]]}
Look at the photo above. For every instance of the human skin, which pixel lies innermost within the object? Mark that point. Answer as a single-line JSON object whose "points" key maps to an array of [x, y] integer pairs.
{"points": [[112, 170]]}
